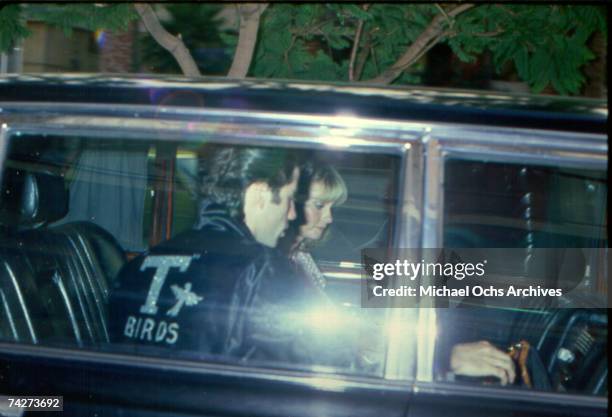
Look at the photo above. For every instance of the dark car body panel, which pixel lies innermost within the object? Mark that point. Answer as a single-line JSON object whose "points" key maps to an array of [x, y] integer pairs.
{"points": [[415, 104]]}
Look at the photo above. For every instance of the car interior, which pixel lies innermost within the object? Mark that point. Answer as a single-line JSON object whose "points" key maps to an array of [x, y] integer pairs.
{"points": [[69, 203], [551, 222]]}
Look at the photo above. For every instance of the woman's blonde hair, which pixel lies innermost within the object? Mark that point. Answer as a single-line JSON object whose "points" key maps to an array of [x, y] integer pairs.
{"points": [[334, 185], [335, 191]]}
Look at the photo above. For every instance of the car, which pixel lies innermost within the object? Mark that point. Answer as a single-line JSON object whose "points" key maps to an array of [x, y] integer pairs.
{"points": [[98, 169]]}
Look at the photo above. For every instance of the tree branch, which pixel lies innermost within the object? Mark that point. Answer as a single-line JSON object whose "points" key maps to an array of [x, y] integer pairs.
{"points": [[354, 51], [373, 52], [356, 46], [488, 34], [427, 39], [444, 13], [316, 29], [504, 8], [169, 42], [362, 56], [250, 15], [286, 54]]}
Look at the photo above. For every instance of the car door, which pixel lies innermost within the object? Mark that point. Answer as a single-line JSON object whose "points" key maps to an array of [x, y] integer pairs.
{"points": [[56, 339], [538, 201]]}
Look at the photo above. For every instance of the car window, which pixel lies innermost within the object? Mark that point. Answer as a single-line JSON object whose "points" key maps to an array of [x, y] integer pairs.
{"points": [[548, 227], [362, 221], [371, 179], [79, 271]]}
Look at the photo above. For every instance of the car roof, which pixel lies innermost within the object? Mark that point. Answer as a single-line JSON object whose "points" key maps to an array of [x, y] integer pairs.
{"points": [[418, 104]]}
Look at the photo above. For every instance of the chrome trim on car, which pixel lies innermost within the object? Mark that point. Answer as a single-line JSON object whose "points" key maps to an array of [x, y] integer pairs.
{"points": [[480, 392], [4, 133], [314, 378], [415, 94], [168, 113], [431, 238], [396, 128], [401, 329], [264, 135]]}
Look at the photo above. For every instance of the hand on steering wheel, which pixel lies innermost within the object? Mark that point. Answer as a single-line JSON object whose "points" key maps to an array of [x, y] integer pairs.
{"points": [[481, 359]]}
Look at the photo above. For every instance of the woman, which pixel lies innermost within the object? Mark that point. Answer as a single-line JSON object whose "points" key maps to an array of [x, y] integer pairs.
{"points": [[321, 189], [324, 337]]}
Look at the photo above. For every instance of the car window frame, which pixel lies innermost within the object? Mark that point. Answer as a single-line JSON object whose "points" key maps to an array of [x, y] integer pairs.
{"points": [[140, 122], [537, 147]]}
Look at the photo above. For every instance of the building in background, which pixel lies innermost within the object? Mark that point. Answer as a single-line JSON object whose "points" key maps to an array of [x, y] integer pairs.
{"points": [[48, 49]]}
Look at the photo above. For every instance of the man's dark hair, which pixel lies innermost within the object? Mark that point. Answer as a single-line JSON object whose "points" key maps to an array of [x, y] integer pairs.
{"points": [[225, 172]]}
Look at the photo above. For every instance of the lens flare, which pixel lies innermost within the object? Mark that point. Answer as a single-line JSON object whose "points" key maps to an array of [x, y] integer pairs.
{"points": [[100, 37]]}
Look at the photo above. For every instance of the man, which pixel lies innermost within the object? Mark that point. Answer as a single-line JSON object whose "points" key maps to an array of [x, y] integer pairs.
{"points": [[193, 293]]}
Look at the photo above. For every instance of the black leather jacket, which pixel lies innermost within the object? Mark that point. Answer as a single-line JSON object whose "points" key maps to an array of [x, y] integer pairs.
{"points": [[216, 292], [191, 293]]}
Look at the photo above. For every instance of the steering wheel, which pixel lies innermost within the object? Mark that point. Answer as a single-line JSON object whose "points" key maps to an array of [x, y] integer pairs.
{"points": [[574, 343]]}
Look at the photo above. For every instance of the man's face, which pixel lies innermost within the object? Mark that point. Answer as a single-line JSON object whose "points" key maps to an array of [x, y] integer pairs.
{"points": [[267, 217]]}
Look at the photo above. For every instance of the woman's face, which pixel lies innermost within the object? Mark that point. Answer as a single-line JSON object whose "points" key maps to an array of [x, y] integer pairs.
{"points": [[317, 212]]}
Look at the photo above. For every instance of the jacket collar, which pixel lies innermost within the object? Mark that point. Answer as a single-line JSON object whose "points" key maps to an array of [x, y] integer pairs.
{"points": [[216, 216]]}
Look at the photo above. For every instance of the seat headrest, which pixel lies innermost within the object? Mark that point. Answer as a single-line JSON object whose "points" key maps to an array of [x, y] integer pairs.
{"points": [[30, 198]]}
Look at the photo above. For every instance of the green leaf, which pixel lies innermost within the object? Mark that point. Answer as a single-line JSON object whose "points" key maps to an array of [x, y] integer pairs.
{"points": [[582, 34], [338, 42], [358, 12], [322, 67], [540, 63], [420, 17], [283, 39], [267, 66], [538, 86], [299, 57], [278, 17], [12, 28], [461, 54], [228, 38], [521, 61], [408, 78]]}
